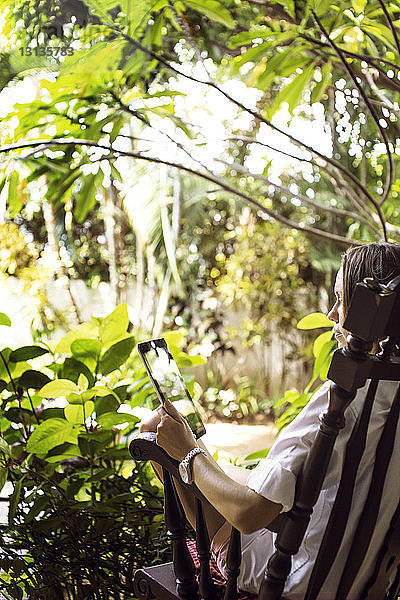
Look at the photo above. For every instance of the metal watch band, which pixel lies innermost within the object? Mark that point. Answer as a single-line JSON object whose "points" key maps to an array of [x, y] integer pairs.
{"points": [[184, 465], [188, 458]]}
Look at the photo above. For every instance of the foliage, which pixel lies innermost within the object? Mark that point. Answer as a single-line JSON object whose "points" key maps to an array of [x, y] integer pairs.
{"points": [[119, 127], [242, 401], [266, 278], [82, 514], [323, 348], [116, 78]]}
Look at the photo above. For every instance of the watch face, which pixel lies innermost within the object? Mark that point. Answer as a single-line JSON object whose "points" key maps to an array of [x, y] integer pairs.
{"points": [[183, 472]]}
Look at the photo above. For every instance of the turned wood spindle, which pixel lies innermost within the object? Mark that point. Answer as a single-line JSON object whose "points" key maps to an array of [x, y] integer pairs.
{"points": [[233, 560], [175, 521], [206, 584]]}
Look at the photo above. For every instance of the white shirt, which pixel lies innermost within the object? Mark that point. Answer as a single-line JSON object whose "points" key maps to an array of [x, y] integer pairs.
{"points": [[275, 479]]}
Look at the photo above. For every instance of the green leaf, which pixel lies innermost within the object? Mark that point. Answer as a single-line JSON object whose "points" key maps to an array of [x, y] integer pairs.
{"points": [[314, 321], [27, 353], [293, 92], [4, 320], [106, 404], [155, 33], [57, 388], [359, 5], [258, 455], [75, 398], [116, 355], [4, 447], [323, 359], [3, 477], [254, 54], [213, 10], [14, 501], [101, 390], [134, 66], [321, 341], [84, 331], [109, 419], [78, 413], [246, 37], [33, 379], [62, 452], [49, 434], [86, 198], [14, 199], [321, 86], [87, 351], [101, 8], [115, 324], [73, 368]]}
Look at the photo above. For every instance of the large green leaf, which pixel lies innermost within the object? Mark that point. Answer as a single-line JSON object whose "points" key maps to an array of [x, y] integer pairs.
{"points": [[320, 342], [27, 353], [114, 325], [272, 38], [87, 351], [254, 54], [33, 379], [293, 92], [72, 369], [86, 198], [78, 413], [15, 202], [49, 434], [115, 356], [314, 321], [84, 331], [109, 419], [57, 388], [213, 10]]}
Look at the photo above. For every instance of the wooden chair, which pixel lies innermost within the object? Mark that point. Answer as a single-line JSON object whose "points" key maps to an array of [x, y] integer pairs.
{"points": [[374, 313]]}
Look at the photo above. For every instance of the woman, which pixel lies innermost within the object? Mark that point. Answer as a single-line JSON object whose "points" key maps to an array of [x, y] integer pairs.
{"points": [[250, 500]]}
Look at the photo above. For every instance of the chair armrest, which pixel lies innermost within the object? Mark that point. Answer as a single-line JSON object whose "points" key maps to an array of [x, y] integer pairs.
{"points": [[144, 447]]}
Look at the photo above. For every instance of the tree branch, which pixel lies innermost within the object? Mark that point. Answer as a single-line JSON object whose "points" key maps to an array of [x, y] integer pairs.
{"points": [[257, 115], [391, 26], [372, 60], [390, 173], [324, 168], [319, 207], [216, 180]]}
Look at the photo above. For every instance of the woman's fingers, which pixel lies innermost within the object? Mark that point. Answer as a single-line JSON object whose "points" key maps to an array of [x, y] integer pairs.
{"points": [[172, 412]]}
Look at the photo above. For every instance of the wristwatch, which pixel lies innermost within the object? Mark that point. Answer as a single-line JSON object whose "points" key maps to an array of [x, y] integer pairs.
{"points": [[184, 466]]}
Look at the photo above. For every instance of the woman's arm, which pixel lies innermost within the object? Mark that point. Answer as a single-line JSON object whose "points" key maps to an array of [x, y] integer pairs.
{"points": [[242, 507]]}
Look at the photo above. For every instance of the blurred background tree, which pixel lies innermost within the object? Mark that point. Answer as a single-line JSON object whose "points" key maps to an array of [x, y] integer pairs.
{"points": [[136, 136]]}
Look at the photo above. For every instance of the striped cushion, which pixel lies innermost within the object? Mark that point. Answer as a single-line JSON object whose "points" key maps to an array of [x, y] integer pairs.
{"points": [[216, 574]]}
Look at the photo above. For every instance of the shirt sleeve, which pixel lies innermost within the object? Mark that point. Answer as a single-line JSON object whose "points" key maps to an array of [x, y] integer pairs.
{"points": [[275, 476]]}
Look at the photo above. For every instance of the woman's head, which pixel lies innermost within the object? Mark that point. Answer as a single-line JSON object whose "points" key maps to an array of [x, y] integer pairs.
{"points": [[380, 260]]}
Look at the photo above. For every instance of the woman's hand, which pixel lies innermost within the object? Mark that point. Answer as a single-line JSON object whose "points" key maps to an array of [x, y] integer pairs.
{"points": [[173, 433]]}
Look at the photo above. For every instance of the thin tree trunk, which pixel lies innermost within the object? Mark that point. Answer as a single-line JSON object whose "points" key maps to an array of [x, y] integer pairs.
{"points": [[120, 248], [140, 267], [109, 226], [61, 271]]}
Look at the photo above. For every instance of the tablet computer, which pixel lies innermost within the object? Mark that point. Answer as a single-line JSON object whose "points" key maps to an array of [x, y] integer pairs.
{"points": [[168, 381]]}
